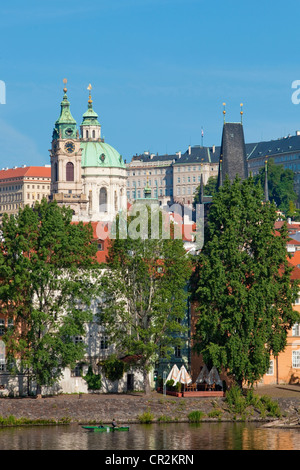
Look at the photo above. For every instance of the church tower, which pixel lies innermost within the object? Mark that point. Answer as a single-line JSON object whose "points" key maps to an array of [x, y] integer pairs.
{"points": [[65, 155], [103, 170], [233, 159]]}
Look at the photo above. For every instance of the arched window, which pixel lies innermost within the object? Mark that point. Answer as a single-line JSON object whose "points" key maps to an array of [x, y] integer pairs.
{"points": [[103, 200], [87, 134], [116, 201], [69, 171], [94, 134]]}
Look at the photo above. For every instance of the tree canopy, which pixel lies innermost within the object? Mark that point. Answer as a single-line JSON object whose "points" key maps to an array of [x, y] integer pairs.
{"points": [[47, 266], [144, 289], [209, 189], [280, 184], [242, 284]]}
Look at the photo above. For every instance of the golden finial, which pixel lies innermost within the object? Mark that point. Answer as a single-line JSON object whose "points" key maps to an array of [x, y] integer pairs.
{"points": [[89, 88], [65, 81], [241, 112], [224, 110]]}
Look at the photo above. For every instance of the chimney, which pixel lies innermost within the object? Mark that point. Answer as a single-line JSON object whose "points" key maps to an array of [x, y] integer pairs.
{"points": [[190, 150], [297, 132], [214, 149]]}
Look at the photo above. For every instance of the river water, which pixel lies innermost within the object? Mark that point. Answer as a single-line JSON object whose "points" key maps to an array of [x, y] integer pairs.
{"points": [[153, 437]]}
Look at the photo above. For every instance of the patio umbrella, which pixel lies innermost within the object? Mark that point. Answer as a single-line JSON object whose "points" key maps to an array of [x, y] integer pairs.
{"points": [[173, 374], [203, 376], [214, 377], [184, 376]]}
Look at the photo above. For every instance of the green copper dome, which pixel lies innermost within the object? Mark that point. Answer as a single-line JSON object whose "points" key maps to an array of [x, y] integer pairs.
{"points": [[101, 155]]}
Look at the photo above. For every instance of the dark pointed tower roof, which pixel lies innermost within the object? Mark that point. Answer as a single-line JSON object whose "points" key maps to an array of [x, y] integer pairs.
{"points": [[233, 160]]}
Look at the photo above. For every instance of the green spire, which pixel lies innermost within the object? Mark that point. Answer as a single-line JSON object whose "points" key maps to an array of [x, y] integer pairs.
{"points": [[65, 126], [90, 117]]}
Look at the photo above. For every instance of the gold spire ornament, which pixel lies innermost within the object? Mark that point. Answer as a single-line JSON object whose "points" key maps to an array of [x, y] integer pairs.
{"points": [[224, 111], [90, 97], [65, 81], [241, 113]]}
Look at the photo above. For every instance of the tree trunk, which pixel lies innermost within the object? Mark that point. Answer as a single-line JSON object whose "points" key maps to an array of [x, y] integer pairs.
{"points": [[147, 389], [38, 391]]}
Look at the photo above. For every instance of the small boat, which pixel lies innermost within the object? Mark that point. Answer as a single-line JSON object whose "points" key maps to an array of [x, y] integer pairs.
{"points": [[105, 428]]}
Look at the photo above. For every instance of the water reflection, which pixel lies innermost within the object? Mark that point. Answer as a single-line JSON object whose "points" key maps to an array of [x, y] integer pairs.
{"points": [[183, 436]]}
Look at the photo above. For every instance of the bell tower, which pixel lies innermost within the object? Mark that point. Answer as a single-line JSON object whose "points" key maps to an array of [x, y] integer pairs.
{"points": [[65, 155]]}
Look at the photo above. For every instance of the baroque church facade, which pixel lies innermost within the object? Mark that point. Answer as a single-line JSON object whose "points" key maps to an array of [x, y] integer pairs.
{"points": [[87, 174]]}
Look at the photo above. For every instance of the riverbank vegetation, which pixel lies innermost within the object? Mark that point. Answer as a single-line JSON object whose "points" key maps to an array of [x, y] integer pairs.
{"points": [[13, 421]]}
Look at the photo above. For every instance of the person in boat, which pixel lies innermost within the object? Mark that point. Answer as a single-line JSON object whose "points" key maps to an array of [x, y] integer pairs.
{"points": [[114, 424]]}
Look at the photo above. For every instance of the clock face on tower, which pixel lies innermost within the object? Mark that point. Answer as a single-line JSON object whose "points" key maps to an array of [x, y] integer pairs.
{"points": [[69, 147]]}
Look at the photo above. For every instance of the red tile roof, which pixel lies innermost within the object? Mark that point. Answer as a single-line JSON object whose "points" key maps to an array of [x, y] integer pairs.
{"points": [[34, 171], [295, 259]]}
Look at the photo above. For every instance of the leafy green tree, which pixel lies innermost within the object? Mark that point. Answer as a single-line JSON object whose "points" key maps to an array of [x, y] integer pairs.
{"points": [[280, 184], [113, 368], [47, 265], [242, 284], [209, 189], [93, 380], [144, 289]]}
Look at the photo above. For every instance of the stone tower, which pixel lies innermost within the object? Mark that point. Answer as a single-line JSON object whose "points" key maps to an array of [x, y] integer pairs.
{"points": [[65, 156]]}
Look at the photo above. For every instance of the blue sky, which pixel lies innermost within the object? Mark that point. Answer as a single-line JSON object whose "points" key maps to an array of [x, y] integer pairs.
{"points": [[160, 71]]}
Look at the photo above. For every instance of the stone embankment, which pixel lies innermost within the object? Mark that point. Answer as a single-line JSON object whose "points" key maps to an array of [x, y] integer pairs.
{"points": [[94, 408]]}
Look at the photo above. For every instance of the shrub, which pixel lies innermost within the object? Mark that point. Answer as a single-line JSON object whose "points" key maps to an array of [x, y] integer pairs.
{"points": [[93, 380], [113, 368], [235, 400], [196, 416], [215, 414], [146, 418], [170, 384], [272, 407], [164, 419]]}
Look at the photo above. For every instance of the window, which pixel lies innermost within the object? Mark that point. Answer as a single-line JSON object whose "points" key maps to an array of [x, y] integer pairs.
{"points": [[2, 326], [94, 134], [104, 342], [177, 351], [296, 359], [296, 329], [103, 200], [70, 171], [76, 372], [100, 245], [271, 368], [78, 339]]}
